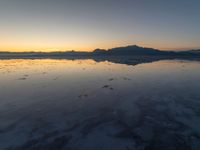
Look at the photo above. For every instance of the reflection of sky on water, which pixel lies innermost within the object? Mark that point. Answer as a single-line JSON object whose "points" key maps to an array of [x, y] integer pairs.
{"points": [[56, 95]]}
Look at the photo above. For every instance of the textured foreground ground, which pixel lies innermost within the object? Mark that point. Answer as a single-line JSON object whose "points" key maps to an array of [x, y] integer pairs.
{"points": [[85, 105]]}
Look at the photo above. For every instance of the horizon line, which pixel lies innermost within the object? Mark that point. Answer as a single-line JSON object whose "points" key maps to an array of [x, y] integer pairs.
{"points": [[73, 50]]}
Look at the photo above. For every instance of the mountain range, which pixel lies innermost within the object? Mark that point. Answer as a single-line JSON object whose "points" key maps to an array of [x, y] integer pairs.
{"points": [[132, 50]]}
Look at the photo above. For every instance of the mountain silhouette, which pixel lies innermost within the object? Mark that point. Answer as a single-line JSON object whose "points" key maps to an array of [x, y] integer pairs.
{"points": [[135, 50], [132, 50], [128, 50]]}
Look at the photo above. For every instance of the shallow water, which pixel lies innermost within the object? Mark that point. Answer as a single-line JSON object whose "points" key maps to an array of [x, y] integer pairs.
{"points": [[48, 104]]}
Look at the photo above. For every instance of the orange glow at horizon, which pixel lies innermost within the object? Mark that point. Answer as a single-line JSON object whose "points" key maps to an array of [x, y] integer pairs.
{"points": [[50, 25], [29, 46], [50, 43], [48, 40]]}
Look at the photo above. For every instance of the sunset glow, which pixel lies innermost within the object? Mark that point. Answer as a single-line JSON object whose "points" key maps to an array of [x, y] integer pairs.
{"points": [[99, 74], [50, 25]]}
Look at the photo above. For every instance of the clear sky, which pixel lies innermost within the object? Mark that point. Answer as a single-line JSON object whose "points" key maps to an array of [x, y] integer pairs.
{"points": [[51, 25]]}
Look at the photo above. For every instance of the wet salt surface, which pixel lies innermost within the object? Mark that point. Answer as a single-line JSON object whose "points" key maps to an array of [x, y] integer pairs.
{"points": [[85, 105]]}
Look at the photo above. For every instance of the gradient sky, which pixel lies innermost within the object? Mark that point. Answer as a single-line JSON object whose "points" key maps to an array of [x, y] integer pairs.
{"points": [[52, 25]]}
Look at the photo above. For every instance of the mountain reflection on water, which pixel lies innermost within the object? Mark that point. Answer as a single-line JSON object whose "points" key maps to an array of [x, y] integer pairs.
{"points": [[101, 104]]}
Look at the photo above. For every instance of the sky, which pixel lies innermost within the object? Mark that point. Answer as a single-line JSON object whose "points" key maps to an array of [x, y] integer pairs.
{"points": [[59, 25]]}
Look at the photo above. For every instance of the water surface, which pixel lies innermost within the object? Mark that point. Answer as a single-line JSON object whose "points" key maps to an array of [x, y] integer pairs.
{"points": [[60, 104]]}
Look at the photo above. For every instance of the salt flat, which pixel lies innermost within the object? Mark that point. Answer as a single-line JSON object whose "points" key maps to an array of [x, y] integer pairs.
{"points": [[86, 105]]}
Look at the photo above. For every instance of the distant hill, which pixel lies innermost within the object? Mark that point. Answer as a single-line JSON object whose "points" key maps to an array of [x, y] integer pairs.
{"points": [[132, 50], [136, 50]]}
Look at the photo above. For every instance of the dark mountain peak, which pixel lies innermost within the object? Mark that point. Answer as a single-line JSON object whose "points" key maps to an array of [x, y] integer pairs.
{"points": [[126, 50], [133, 49], [98, 50], [132, 46]]}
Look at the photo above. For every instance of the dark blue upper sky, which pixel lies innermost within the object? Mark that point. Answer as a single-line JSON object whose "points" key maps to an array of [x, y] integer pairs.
{"points": [[88, 24]]}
